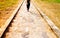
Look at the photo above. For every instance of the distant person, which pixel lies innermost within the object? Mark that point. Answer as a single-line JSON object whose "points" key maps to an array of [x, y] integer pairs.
{"points": [[28, 5]]}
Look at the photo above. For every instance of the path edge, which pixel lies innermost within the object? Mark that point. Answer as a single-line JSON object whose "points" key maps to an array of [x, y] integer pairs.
{"points": [[2, 29], [49, 21]]}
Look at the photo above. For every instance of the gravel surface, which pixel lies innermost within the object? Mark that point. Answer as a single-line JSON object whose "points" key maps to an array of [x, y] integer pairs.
{"points": [[29, 25]]}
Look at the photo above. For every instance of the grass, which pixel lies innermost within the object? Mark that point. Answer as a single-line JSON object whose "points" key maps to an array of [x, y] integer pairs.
{"points": [[6, 3], [51, 8], [56, 1], [6, 8]]}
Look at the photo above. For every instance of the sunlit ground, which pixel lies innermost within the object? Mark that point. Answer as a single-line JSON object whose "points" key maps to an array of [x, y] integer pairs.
{"points": [[51, 8]]}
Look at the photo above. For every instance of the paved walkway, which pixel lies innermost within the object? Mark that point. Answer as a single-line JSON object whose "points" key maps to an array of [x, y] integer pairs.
{"points": [[29, 25]]}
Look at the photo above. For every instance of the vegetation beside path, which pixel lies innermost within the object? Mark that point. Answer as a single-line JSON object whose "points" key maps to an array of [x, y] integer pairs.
{"points": [[51, 8], [51, 1], [7, 3], [6, 9]]}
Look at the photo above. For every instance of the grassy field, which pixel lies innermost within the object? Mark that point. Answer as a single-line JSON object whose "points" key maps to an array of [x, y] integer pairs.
{"points": [[6, 3], [52, 1], [51, 8], [6, 8]]}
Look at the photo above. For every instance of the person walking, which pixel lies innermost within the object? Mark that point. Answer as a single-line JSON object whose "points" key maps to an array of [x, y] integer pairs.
{"points": [[28, 5]]}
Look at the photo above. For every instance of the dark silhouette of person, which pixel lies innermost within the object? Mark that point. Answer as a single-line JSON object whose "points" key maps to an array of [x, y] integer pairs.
{"points": [[28, 5]]}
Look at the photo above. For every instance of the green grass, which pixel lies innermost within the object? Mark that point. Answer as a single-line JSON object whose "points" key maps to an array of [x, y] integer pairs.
{"points": [[56, 1], [7, 3]]}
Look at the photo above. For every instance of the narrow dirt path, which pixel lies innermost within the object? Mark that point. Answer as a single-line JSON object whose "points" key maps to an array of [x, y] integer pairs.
{"points": [[29, 25]]}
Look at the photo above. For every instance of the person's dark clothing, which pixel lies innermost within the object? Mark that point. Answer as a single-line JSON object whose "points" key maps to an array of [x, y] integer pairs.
{"points": [[28, 4], [28, 1]]}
